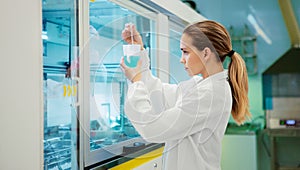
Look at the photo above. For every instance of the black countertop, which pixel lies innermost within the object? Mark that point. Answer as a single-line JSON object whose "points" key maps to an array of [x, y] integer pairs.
{"points": [[245, 129], [124, 158]]}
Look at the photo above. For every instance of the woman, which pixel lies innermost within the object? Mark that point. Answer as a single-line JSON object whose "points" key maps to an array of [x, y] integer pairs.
{"points": [[191, 117]]}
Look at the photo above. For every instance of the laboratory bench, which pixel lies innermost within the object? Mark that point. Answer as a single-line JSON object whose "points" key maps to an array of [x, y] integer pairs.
{"points": [[273, 135], [245, 129], [238, 140], [239, 147], [258, 146]]}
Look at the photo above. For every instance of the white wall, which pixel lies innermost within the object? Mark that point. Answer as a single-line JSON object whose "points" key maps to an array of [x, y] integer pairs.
{"points": [[21, 104]]}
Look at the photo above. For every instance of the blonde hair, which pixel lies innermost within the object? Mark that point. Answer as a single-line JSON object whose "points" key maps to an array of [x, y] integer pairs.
{"points": [[219, 42]]}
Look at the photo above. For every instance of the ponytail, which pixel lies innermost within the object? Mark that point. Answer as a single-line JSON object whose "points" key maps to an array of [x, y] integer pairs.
{"points": [[238, 80]]}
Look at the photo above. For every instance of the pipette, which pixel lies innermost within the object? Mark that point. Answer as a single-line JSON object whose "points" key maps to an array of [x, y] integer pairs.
{"points": [[131, 33], [131, 36]]}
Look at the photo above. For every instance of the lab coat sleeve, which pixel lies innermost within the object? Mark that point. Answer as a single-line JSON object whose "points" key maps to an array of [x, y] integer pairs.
{"points": [[186, 117], [155, 85]]}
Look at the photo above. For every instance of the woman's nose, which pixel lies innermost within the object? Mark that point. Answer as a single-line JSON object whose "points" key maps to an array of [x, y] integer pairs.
{"points": [[182, 60]]}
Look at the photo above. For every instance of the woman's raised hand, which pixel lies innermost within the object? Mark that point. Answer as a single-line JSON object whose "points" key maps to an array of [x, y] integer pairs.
{"points": [[131, 35]]}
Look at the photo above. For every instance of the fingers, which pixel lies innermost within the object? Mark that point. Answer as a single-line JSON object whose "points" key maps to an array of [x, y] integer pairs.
{"points": [[134, 31], [130, 31], [126, 36]]}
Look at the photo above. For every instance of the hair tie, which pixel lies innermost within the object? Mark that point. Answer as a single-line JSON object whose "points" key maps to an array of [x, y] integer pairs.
{"points": [[230, 53]]}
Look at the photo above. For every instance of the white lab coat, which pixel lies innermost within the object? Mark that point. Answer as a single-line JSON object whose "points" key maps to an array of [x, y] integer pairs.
{"points": [[190, 118]]}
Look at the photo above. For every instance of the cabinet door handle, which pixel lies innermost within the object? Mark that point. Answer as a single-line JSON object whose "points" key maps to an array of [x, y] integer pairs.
{"points": [[155, 165], [78, 102]]}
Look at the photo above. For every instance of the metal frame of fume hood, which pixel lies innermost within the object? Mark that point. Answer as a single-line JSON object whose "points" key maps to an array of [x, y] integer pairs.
{"points": [[89, 157], [164, 16]]}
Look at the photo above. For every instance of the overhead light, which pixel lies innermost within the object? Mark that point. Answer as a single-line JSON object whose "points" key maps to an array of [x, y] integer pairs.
{"points": [[258, 30]]}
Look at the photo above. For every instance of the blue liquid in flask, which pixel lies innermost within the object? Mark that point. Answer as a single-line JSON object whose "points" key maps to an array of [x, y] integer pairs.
{"points": [[133, 61]]}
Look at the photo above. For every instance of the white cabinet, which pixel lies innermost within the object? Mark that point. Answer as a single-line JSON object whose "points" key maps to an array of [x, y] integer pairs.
{"points": [[239, 152], [154, 164]]}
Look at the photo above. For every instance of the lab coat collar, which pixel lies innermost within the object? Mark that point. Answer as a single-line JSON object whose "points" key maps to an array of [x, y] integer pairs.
{"points": [[221, 75]]}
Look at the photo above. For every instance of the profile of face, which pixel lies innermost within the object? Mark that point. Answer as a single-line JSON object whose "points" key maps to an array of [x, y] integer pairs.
{"points": [[191, 58]]}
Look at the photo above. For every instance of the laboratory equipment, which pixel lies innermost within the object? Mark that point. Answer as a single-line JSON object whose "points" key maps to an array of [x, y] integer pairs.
{"points": [[241, 141], [281, 86], [84, 88], [60, 85], [281, 97], [131, 54], [109, 133]]}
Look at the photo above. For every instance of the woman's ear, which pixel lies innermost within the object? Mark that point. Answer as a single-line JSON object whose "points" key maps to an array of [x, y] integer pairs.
{"points": [[207, 53]]}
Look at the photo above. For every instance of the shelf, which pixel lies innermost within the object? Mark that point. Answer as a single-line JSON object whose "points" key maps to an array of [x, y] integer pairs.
{"points": [[62, 43], [289, 168], [249, 55], [244, 38], [285, 132], [275, 133]]}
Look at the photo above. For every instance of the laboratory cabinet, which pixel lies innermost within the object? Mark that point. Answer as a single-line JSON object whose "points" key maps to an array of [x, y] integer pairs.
{"points": [[83, 87], [239, 151], [240, 147], [148, 160], [110, 133], [155, 164], [59, 37]]}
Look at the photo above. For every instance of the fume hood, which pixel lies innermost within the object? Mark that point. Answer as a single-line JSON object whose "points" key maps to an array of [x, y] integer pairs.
{"points": [[84, 88], [281, 81]]}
